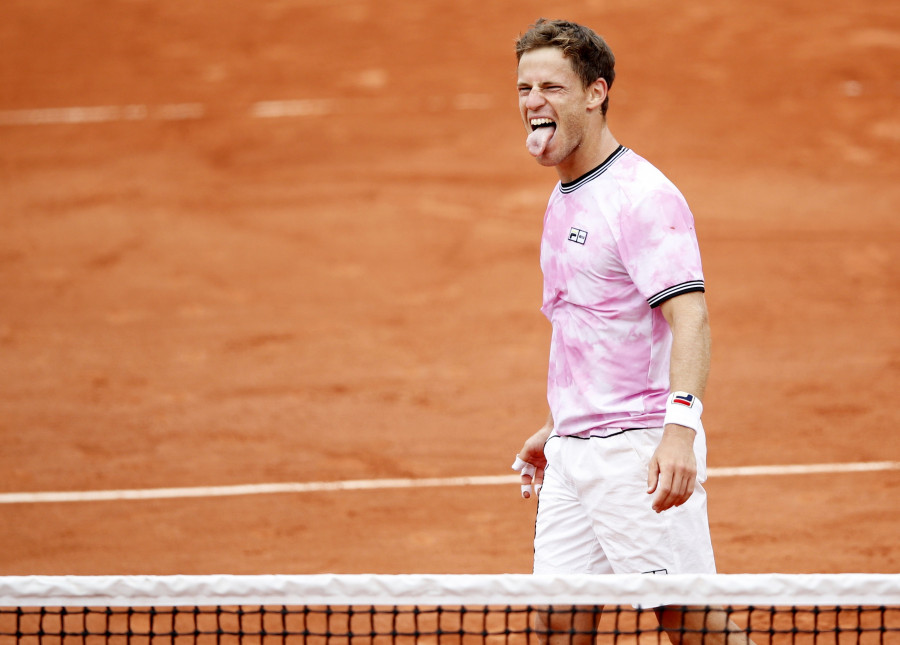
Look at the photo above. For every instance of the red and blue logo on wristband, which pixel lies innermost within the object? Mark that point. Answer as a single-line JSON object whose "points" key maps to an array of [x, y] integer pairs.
{"points": [[684, 399]]}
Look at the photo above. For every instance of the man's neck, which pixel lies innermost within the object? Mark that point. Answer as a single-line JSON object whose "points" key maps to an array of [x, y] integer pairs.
{"points": [[589, 156]]}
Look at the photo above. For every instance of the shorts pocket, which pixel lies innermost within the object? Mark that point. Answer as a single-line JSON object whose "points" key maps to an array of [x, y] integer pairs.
{"points": [[551, 447], [643, 443]]}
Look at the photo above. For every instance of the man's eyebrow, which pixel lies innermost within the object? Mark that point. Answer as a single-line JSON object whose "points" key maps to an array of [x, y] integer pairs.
{"points": [[540, 84]]}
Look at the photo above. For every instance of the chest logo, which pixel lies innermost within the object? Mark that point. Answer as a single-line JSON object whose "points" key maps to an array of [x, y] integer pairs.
{"points": [[577, 235]]}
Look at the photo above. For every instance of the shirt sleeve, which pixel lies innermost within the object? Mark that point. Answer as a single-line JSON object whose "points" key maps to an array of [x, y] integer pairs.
{"points": [[659, 246]]}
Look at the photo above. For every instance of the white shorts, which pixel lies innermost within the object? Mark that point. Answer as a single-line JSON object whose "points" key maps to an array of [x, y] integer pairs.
{"points": [[594, 514]]}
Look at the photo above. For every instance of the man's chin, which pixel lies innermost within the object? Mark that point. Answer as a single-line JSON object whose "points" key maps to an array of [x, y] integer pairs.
{"points": [[547, 160]]}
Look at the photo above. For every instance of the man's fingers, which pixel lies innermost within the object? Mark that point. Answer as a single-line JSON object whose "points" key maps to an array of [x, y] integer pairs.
{"points": [[652, 477], [538, 481], [523, 466], [687, 491], [528, 476], [673, 490], [663, 489]]}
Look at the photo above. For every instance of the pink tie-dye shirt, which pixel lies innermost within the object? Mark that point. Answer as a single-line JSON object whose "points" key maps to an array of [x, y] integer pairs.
{"points": [[617, 243]]}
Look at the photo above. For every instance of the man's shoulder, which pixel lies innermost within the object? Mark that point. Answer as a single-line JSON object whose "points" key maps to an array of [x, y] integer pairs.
{"points": [[635, 174], [626, 173], [628, 181]]}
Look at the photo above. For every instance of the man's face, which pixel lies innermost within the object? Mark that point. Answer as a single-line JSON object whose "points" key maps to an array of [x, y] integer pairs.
{"points": [[551, 96]]}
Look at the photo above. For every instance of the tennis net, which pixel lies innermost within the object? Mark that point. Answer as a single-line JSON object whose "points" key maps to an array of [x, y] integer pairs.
{"points": [[509, 609]]}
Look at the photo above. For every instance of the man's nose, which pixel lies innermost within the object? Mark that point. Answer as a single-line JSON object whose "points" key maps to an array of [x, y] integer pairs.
{"points": [[535, 98]]}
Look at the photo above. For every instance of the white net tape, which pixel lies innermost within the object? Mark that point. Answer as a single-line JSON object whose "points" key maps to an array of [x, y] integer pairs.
{"points": [[491, 589]]}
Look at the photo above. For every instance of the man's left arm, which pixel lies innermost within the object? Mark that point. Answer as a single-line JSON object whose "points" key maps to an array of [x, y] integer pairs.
{"points": [[673, 468]]}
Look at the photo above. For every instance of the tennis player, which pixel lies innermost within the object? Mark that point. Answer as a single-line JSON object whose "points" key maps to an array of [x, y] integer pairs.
{"points": [[620, 461]]}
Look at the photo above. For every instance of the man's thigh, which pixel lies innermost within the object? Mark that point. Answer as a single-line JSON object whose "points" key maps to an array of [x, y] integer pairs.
{"points": [[564, 538], [595, 515], [634, 537]]}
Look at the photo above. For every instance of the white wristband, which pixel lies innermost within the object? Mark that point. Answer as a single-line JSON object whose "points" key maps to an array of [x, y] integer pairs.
{"points": [[684, 409]]}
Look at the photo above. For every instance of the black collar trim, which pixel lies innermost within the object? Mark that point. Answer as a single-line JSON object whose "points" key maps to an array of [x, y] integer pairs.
{"points": [[593, 174]]}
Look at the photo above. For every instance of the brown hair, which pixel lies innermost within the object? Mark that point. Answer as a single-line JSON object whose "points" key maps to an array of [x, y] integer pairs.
{"points": [[591, 57]]}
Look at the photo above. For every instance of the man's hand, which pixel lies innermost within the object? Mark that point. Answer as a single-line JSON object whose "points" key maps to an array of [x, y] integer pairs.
{"points": [[673, 468], [531, 461]]}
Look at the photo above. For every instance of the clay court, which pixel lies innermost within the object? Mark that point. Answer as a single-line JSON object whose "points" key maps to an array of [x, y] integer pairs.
{"points": [[297, 241]]}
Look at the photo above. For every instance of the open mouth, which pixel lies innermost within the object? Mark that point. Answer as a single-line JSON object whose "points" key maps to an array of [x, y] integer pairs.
{"points": [[541, 123], [542, 130]]}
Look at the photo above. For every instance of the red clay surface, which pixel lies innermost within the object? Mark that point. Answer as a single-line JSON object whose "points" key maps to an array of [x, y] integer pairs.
{"points": [[353, 293]]}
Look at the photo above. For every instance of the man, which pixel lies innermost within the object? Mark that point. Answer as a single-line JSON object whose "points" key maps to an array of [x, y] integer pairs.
{"points": [[619, 463]]}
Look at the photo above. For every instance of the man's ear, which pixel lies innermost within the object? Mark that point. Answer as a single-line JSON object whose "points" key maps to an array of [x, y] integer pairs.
{"points": [[597, 93]]}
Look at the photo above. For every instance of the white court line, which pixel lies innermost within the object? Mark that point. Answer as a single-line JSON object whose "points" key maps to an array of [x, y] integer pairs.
{"points": [[186, 111], [103, 114], [378, 484], [300, 107]]}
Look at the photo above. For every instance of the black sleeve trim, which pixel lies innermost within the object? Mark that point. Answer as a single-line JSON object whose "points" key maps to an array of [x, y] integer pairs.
{"points": [[677, 290]]}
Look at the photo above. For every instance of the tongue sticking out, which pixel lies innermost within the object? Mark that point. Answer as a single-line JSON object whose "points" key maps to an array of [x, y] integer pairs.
{"points": [[538, 139]]}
